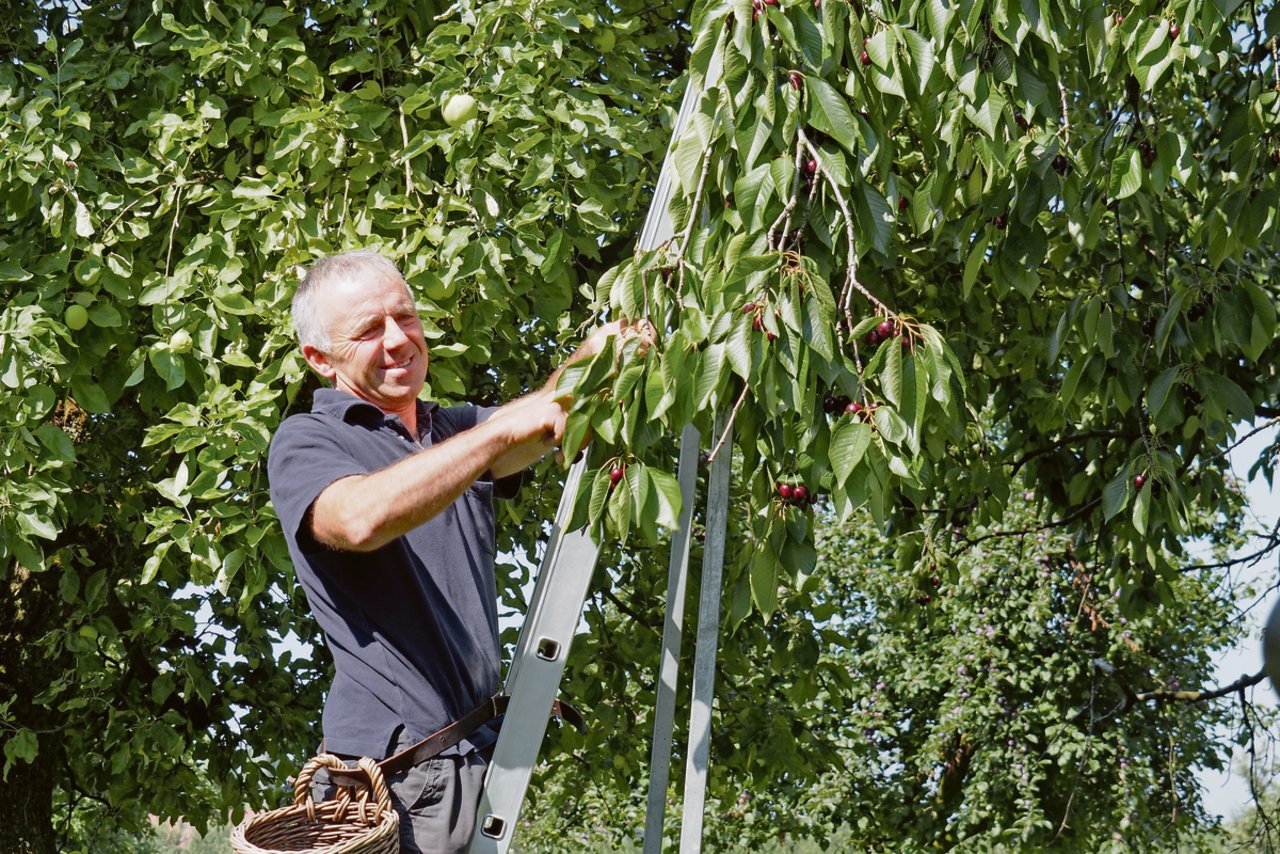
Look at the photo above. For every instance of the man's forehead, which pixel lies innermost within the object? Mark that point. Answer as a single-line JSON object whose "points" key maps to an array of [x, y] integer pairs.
{"points": [[369, 293]]}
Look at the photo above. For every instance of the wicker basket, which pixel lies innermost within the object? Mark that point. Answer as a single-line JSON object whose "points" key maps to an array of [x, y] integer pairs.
{"points": [[339, 826]]}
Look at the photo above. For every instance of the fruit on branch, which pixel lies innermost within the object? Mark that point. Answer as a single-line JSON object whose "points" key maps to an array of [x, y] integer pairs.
{"points": [[902, 203], [756, 323], [785, 491], [1174, 31], [885, 328], [615, 474], [853, 408], [1021, 121], [1061, 164], [799, 495], [796, 79], [75, 317], [459, 110], [810, 166], [749, 308], [1147, 152], [1139, 480], [999, 221], [180, 341], [865, 58]]}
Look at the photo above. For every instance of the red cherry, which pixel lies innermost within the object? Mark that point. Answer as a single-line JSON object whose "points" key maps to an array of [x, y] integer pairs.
{"points": [[749, 308], [866, 58], [756, 323], [799, 494], [1174, 31], [771, 336], [1119, 19], [796, 78], [885, 329], [1139, 480], [784, 490], [771, 2], [998, 221], [616, 474], [811, 166], [873, 338], [853, 408], [902, 203]]}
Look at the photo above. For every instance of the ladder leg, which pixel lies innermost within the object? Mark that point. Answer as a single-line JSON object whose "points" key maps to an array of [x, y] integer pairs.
{"points": [[704, 666], [672, 631]]}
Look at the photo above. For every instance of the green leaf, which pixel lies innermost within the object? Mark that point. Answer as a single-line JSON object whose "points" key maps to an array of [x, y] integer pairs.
{"points": [[829, 113], [764, 582], [1126, 174], [891, 373], [1115, 495], [1158, 392], [848, 443]]}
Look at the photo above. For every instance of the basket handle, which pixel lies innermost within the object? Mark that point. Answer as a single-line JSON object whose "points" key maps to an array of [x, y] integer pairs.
{"points": [[367, 812]]}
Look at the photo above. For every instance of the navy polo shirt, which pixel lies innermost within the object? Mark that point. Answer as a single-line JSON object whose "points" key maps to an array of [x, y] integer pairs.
{"points": [[413, 626]]}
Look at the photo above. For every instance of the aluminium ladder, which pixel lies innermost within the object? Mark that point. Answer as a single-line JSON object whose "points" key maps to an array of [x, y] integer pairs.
{"points": [[559, 595]]}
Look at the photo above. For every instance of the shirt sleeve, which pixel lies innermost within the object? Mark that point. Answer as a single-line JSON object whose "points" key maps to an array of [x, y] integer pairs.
{"points": [[306, 456], [454, 419]]}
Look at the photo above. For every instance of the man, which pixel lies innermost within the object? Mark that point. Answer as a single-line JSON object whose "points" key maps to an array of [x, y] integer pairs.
{"points": [[386, 504]]}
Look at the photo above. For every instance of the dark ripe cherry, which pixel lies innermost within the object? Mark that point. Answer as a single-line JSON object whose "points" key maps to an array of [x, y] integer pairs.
{"points": [[756, 323], [749, 308], [757, 5], [728, 21], [1174, 31], [799, 494], [998, 221], [1021, 121], [1139, 480], [796, 79], [902, 203], [771, 2], [771, 336], [615, 474], [885, 328], [1275, 156], [865, 58], [810, 167], [1061, 164], [853, 408], [873, 338], [785, 491]]}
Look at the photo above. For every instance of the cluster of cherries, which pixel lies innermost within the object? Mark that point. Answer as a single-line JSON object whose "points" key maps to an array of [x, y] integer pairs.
{"points": [[757, 7], [883, 331], [796, 494], [836, 404], [756, 322]]}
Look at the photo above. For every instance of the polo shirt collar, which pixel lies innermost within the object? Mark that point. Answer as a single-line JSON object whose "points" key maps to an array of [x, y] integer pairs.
{"points": [[348, 407]]}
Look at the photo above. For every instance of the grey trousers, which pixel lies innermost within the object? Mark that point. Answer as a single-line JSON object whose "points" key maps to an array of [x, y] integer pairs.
{"points": [[436, 800]]}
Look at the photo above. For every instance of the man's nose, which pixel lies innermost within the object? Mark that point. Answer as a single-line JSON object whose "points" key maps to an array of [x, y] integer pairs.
{"points": [[393, 335]]}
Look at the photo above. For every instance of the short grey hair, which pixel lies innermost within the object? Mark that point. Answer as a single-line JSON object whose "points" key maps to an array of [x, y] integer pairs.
{"points": [[345, 265]]}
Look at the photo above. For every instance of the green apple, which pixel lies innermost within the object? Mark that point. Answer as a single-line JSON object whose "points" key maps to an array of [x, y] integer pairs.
{"points": [[75, 317], [180, 341], [459, 110]]}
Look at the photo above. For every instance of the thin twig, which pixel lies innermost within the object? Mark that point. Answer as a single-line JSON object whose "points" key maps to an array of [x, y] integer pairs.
{"points": [[729, 424]]}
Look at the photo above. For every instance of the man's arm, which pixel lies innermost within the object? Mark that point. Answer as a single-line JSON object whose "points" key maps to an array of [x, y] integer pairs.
{"points": [[365, 512]]}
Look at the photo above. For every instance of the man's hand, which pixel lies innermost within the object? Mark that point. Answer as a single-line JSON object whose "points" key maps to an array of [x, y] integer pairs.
{"points": [[624, 329]]}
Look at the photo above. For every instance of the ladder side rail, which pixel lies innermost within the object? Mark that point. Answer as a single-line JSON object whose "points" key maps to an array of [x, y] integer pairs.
{"points": [[672, 634], [704, 666], [540, 670], [564, 513]]}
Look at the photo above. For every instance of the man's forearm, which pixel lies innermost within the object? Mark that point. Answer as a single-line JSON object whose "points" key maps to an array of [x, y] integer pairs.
{"points": [[364, 512]]}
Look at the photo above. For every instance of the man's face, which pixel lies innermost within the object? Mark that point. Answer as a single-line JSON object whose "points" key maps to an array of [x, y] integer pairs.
{"points": [[378, 351]]}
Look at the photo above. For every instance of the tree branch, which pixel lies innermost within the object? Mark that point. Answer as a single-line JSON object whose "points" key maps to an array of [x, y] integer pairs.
{"points": [[1132, 698]]}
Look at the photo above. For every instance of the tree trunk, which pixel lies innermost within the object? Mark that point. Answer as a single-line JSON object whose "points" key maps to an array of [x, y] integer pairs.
{"points": [[26, 805]]}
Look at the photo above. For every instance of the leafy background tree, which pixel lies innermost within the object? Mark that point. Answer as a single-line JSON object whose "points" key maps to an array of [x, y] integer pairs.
{"points": [[1064, 213]]}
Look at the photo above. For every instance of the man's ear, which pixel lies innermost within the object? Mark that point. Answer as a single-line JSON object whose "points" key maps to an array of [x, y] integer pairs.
{"points": [[319, 362]]}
